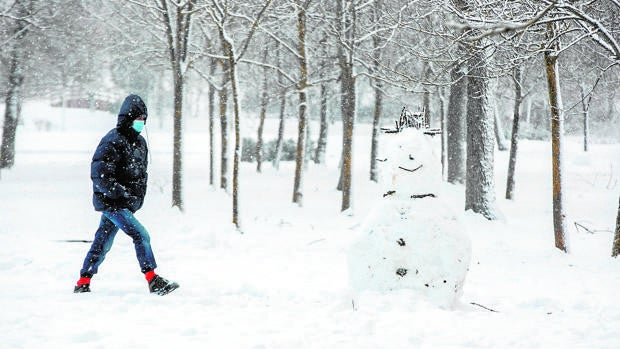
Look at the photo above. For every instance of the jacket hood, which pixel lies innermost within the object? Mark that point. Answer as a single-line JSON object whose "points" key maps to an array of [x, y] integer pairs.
{"points": [[133, 107]]}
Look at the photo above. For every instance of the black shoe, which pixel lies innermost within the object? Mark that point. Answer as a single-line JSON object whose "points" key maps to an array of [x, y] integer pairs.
{"points": [[161, 286], [82, 288]]}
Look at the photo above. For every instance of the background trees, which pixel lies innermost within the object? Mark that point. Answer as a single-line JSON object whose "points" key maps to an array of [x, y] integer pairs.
{"points": [[17, 23], [552, 28], [343, 61], [23, 41]]}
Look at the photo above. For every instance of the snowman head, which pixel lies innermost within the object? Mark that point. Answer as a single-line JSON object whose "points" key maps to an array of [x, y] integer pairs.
{"points": [[410, 165]]}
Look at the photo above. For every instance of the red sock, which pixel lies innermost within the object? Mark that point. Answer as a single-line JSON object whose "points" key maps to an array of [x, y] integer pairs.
{"points": [[83, 281], [149, 275]]}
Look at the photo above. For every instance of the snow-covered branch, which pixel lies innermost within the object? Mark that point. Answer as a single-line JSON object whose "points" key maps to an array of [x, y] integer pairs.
{"points": [[253, 29], [600, 34], [492, 27], [270, 66]]}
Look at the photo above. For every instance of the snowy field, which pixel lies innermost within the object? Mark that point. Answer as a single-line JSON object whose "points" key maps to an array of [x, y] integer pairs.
{"points": [[284, 283]]}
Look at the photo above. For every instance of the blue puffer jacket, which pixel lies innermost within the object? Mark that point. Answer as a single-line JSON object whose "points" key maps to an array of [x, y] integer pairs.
{"points": [[118, 168]]}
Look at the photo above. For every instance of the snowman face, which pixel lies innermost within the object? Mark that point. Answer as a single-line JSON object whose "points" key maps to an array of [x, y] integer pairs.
{"points": [[411, 166]]}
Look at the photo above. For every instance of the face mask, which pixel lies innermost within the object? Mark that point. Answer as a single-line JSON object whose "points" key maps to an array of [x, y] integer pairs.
{"points": [[138, 125]]}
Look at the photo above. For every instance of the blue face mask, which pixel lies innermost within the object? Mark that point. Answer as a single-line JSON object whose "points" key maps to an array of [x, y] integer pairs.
{"points": [[138, 125]]}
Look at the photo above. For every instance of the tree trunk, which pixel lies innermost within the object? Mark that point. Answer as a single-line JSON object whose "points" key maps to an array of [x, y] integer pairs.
{"points": [[528, 111], [14, 86], [479, 184], [263, 112], [499, 130], [321, 144], [444, 132], [159, 102], [12, 110], [376, 128], [557, 126], [341, 177], [177, 161], [616, 248], [301, 88], [514, 143], [212, 125], [348, 123], [376, 120], [309, 149], [223, 103], [456, 125], [586, 116], [611, 107], [280, 141], [426, 98], [177, 35], [346, 27], [232, 69]]}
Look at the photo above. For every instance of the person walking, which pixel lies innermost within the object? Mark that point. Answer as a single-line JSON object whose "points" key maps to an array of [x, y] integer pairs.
{"points": [[119, 174]]}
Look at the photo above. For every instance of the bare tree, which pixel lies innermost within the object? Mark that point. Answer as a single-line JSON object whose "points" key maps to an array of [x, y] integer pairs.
{"points": [[282, 115], [499, 131], [514, 143], [377, 86], [585, 104], [426, 94], [15, 33], [557, 130], [321, 144], [345, 26], [479, 183], [224, 129], [376, 129], [302, 6], [319, 154], [220, 15], [217, 94], [444, 138], [177, 19], [298, 76], [456, 126], [264, 99], [211, 101]]}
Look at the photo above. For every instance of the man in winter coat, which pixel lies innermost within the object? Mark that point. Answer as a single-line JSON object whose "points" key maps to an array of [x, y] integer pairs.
{"points": [[118, 172]]}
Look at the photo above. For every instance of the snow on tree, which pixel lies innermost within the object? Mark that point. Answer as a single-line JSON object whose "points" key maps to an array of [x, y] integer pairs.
{"points": [[412, 239]]}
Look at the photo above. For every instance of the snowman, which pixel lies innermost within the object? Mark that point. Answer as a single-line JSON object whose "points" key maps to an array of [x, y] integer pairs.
{"points": [[412, 239]]}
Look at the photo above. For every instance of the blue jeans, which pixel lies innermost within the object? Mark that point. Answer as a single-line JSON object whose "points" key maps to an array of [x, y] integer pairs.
{"points": [[110, 223]]}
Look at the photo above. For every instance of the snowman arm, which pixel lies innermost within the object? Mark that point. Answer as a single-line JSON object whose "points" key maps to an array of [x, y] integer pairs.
{"points": [[421, 196]]}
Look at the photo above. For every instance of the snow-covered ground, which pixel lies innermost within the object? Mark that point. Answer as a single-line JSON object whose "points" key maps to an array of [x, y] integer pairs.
{"points": [[284, 282]]}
